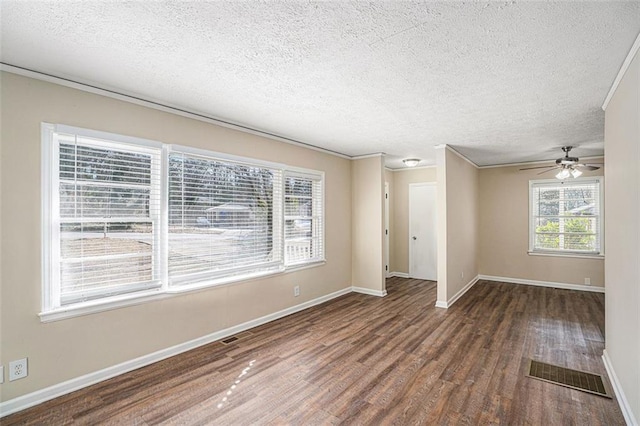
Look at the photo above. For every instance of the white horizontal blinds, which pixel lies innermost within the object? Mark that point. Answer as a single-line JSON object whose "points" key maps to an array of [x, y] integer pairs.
{"points": [[567, 217], [223, 218], [109, 209], [303, 219]]}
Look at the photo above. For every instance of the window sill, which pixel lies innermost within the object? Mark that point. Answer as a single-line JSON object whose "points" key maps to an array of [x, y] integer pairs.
{"points": [[178, 288], [300, 266], [570, 255], [96, 306], [243, 278], [132, 299]]}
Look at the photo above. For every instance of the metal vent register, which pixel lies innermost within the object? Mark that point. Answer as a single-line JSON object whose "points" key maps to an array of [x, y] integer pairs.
{"points": [[574, 379], [232, 339]]}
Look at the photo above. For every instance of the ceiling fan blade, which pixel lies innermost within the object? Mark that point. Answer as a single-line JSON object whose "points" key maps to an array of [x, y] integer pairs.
{"points": [[539, 167], [586, 167], [546, 171]]}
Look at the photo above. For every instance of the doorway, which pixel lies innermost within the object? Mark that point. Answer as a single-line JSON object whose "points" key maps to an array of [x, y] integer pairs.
{"points": [[387, 272], [423, 242]]}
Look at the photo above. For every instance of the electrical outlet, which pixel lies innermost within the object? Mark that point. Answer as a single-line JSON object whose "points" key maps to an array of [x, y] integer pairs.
{"points": [[1, 374], [462, 275], [587, 281], [296, 291], [18, 369]]}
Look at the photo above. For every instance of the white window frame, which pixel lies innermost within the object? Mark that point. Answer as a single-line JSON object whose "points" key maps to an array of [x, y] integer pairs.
{"points": [[561, 252], [317, 211], [52, 309], [178, 285]]}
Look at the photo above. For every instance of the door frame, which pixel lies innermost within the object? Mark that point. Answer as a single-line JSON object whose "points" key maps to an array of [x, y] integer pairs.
{"points": [[387, 233], [418, 184]]}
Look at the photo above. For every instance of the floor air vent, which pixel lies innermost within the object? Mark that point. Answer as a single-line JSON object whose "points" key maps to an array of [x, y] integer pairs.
{"points": [[574, 379], [232, 339]]}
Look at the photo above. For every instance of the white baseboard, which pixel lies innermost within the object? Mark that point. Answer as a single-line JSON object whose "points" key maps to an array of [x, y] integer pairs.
{"points": [[42, 395], [565, 286], [447, 304], [399, 274], [462, 291], [617, 389], [369, 291]]}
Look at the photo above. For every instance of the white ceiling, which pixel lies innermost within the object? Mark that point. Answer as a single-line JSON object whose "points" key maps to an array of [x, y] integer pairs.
{"points": [[501, 82]]}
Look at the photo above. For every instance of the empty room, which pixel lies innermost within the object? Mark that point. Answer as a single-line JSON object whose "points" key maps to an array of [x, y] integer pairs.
{"points": [[319, 212]]}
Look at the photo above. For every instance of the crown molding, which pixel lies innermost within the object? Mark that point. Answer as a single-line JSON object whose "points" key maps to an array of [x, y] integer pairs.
{"points": [[408, 169], [176, 110], [165, 107], [362, 157], [623, 69], [448, 147], [532, 163]]}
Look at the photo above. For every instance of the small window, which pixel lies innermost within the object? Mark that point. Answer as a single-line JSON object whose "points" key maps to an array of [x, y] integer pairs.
{"points": [[303, 218], [566, 217]]}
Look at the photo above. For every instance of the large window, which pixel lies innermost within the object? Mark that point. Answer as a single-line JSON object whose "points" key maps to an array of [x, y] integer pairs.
{"points": [[566, 217], [127, 218], [221, 218]]}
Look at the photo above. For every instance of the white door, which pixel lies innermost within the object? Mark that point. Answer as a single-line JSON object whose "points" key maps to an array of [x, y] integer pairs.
{"points": [[386, 229], [423, 244]]}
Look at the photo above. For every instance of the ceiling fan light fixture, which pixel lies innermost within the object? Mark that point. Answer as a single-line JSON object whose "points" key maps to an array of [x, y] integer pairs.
{"points": [[564, 173], [566, 166], [411, 162]]}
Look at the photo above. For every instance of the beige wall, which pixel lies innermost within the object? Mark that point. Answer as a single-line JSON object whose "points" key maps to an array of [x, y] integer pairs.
{"points": [[441, 212], [1, 239], [475, 205], [504, 234], [622, 236], [368, 223], [400, 218], [69, 348], [461, 204]]}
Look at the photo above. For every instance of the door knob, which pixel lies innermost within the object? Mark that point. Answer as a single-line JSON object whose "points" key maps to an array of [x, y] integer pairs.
{"points": [[415, 238]]}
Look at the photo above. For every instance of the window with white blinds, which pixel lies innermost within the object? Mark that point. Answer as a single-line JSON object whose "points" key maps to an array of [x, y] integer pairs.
{"points": [[223, 218], [303, 223], [108, 199], [126, 217], [566, 217]]}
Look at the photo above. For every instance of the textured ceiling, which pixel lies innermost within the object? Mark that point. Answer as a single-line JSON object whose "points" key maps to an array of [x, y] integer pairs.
{"points": [[500, 82]]}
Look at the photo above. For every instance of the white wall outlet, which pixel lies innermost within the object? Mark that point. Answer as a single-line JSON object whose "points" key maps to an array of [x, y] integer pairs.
{"points": [[18, 369], [587, 281], [296, 291], [1, 374], [462, 275]]}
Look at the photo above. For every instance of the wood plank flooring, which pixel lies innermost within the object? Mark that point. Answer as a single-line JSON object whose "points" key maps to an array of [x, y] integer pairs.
{"points": [[366, 360]]}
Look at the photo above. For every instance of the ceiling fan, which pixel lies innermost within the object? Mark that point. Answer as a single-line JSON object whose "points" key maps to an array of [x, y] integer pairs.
{"points": [[568, 166]]}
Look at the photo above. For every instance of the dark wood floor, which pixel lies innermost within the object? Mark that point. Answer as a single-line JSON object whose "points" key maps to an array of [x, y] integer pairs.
{"points": [[366, 360]]}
